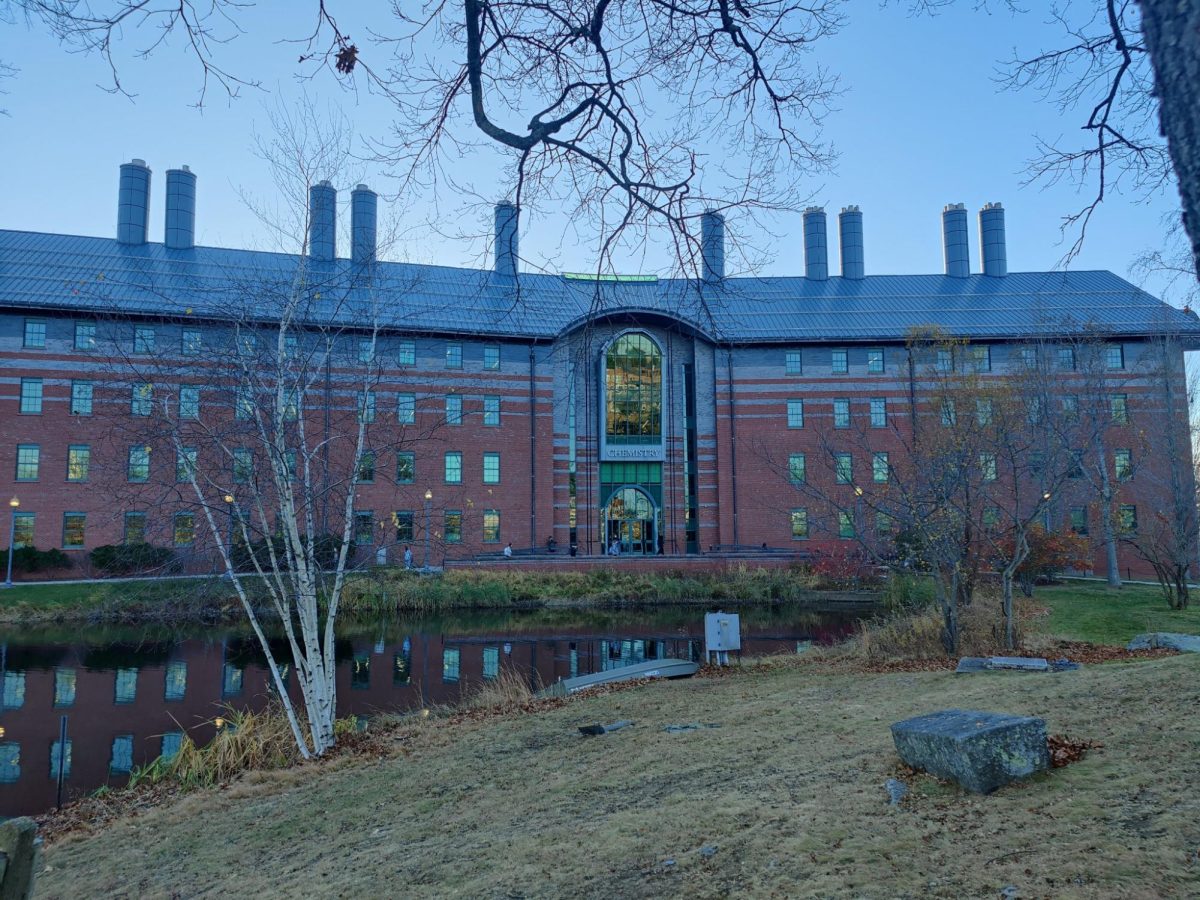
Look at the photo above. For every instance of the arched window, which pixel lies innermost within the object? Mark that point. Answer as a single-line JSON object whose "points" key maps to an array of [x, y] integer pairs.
{"points": [[633, 391]]}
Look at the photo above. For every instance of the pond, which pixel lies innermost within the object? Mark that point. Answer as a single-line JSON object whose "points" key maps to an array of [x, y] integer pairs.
{"points": [[129, 694]]}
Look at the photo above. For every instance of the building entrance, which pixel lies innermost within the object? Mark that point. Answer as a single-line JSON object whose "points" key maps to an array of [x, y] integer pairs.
{"points": [[631, 520]]}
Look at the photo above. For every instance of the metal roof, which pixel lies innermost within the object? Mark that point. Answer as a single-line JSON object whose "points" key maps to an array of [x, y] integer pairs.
{"points": [[66, 272]]}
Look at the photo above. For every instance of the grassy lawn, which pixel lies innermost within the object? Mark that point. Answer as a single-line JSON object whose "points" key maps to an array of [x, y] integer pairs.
{"points": [[45, 601], [789, 790], [1093, 612]]}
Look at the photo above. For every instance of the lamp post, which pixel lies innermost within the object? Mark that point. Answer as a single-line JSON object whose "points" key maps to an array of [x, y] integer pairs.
{"points": [[858, 495], [428, 506], [14, 503], [229, 505]]}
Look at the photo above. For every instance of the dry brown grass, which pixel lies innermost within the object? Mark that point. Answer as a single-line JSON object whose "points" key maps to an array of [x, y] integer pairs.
{"points": [[917, 635]]}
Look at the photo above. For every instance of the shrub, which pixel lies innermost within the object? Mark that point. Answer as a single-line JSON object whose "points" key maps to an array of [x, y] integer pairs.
{"points": [[125, 559], [327, 548], [30, 559]]}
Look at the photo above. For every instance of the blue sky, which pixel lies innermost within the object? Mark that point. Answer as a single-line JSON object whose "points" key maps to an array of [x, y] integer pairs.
{"points": [[922, 123]]}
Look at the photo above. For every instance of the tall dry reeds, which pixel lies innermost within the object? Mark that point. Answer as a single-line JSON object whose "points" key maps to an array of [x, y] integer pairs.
{"points": [[917, 633]]}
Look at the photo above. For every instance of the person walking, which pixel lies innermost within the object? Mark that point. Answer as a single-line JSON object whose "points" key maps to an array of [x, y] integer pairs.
{"points": [[407, 557], [508, 550]]}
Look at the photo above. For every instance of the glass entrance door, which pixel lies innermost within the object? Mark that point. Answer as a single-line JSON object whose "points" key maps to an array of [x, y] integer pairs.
{"points": [[630, 523]]}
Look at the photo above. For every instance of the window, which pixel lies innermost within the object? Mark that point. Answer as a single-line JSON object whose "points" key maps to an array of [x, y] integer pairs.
{"points": [[402, 666], [633, 379], [453, 467], [491, 468], [190, 342], [122, 755], [22, 526], [247, 344], [360, 672], [364, 527], [175, 680], [1070, 408], [406, 467], [884, 524], [1119, 406], [945, 360], [10, 762], [452, 522], [141, 399], [450, 663], [454, 414], [795, 413], [793, 362], [406, 408], [1035, 409], [1114, 356], [14, 690], [232, 680], [491, 663], [1075, 469], [366, 406], [29, 457], [987, 466], [879, 412], [125, 686], [1066, 358], [981, 358], [1127, 518], [366, 351], [189, 403], [74, 530], [31, 396], [1123, 464], [79, 458], [60, 757], [799, 524], [1079, 522], [243, 465], [85, 335], [183, 531], [35, 334], [845, 525], [491, 357], [171, 742], [289, 463], [454, 356], [880, 472], [403, 520], [991, 518], [841, 413], [491, 410], [406, 353], [134, 531], [983, 412], [243, 403], [949, 416], [491, 526], [366, 467], [81, 398], [796, 468], [291, 346], [841, 362], [843, 467], [1029, 357], [875, 360], [143, 339], [64, 687]]}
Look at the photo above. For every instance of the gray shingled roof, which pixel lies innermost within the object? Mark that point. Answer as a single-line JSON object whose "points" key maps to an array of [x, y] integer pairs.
{"points": [[67, 272]]}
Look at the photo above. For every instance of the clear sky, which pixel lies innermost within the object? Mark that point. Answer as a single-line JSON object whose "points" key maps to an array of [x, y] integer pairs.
{"points": [[922, 124]]}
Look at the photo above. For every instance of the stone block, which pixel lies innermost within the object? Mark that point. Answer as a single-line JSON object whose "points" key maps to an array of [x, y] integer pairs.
{"points": [[1165, 640], [981, 751], [19, 846]]}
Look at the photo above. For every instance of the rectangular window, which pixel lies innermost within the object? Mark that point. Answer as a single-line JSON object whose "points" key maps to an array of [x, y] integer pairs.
{"points": [[171, 742], [406, 408], [121, 762], [1114, 356], [14, 690], [134, 531], [841, 362], [232, 680], [452, 522], [949, 416], [879, 412], [1029, 357], [799, 524], [31, 396], [1123, 464], [366, 467], [845, 525], [945, 360], [364, 527], [981, 358], [289, 463], [1127, 518], [987, 466], [85, 335], [796, 468], [453, 467], [875, 360], [843, 467], [23, 529], [35, 334], [185, 464], [291, 346], [491, 663], [243, 465], [1034, 410], [189, 403], [450, 664], [454, 414], [183, 531], [29, 457], [243, 403], [491, 526], [880, 471], [141, 399], [403, 520], [79, 461], [366, 351], [454, 356], [983, 412], [366, 406], [491, 468], [406, 467], [795, 413], [884, 524], [10, 762], [1066, 358], [491, 357], [841, 413], [60, 757], [74, 530], [1079, 522], [1070, 408], [491, 410], [64, 687], [1119, 406], [143, 339], [81, 398], [125, 687], [1075, 469], [406, 353], [190, 342], [247, 344], [991, 518], [793, 362]]}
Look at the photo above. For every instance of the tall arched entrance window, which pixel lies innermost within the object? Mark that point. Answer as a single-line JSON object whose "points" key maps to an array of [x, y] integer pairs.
{"points": [[631, 520], [633, 390]]}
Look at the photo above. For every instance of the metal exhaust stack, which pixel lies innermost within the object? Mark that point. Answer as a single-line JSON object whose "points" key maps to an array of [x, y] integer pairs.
{"points": [[954, 240], [850, 222], [816, 244], [133, 203]]}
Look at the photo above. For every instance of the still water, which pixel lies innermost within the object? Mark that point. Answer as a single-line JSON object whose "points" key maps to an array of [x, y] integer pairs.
{"points": [[129, 694]]}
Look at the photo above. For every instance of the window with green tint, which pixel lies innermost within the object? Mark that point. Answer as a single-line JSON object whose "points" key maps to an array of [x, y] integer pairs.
{"points": [[366, 406], [845, 525], [879, 412], [29, 457], [134, 531], [631, 473], [364, 527], [1127, 518], [1079, 522], [793, 362], [884, 523], [1123, 464], [85, 335], [60, 757], [491, 526], [840, 362], [74, 530], [799, 524], [243, 465], [289, 463], [403, 520], [141, 399], [453, 470], [795, 413], [983, 412], [491, 663], [366, 351], [366, 467], [981, 358], [454, 356], [406, 353], [491, 410], [1114, 357], [452, 526], [143, 339], [10, 762], [406, 467], [454, 409], [406, 408], [991, 517], [189, 403], [633, 382], [491, 357], [945, 361], [987, 466], [183, 531], [64, 687], [121, 761], [35, 334], [796, 468], [875, 360], [841, 413], [491, 468], [1119, 407], [451, 659], [1066, 358], [79, 460], [125, 687], [243, 403], [81, 398], [880, 472], [22, 526], [191, 343], [843, 466], [14, 690], [31, 396], [949, 416]]}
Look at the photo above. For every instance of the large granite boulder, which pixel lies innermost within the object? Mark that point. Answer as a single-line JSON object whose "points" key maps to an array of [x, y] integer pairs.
{"points": [[1166, 640], [980, 750]]}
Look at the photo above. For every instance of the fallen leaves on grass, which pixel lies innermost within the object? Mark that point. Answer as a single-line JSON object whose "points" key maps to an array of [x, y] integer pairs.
{"points": [[1064, 750]]}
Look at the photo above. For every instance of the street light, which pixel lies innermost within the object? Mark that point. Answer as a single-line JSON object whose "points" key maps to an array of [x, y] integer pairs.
{"points": [[12, 536], [428, 506], [858, 495]]}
